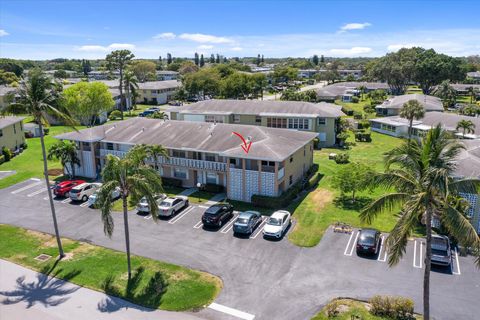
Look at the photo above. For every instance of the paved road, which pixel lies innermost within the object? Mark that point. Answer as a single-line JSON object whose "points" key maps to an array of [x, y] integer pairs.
{"points": [[26, 294], [264, 279]]}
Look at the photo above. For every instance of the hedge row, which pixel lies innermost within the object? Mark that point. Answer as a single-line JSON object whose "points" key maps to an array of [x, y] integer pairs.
{"points": [[172, 182], [2, 159]]}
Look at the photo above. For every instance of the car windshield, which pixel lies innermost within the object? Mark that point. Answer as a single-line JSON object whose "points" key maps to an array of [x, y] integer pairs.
{"points": [[366, 240], [213, 210], [275, 221], [439, 252], [242, 221], [143, 200], [74, 191], [165, 204]]}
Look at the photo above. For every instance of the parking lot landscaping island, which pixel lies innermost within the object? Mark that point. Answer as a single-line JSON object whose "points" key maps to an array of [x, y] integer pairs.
{"points": [[154, 284]]}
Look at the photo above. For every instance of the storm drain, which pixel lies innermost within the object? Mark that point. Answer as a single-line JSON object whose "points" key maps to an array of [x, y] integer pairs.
{"points": [[43, 257]]}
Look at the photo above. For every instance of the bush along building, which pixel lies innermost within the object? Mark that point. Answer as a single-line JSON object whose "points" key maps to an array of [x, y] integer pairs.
{"points": [[212, 154], [320, 118]]}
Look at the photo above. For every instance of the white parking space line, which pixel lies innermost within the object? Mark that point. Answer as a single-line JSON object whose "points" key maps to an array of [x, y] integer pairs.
{"points": [[229, 225], [349, 249], [420, 245], [148, 217], [259, 228], [384, 248], [457, 272], [26, 187], [198, 225], [231, 311], [67, 200], [37, 192], [204, 207], [85, 204], [180, 216], [45, 198]]}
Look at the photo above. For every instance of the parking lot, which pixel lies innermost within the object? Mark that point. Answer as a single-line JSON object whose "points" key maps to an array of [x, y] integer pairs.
{"points": [[263, 279]]}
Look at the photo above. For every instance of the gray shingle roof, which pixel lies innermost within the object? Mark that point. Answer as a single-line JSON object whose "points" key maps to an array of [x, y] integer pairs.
{"points": [[430, 103], [339, 88], [468, 162], [449, 120], [9, 120], [259, 107], [267, 143]]}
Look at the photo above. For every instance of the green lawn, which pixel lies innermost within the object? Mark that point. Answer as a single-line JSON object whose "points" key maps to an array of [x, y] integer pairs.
{"points": [[154, 284], [358, 106], [29, 163], [323, 206]]}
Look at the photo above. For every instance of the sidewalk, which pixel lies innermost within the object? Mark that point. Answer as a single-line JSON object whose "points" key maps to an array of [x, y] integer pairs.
{"points": [[26, 294]]}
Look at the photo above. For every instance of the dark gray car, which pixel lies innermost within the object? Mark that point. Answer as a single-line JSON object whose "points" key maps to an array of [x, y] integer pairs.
{"points": [[441, 252], [246, 222]]}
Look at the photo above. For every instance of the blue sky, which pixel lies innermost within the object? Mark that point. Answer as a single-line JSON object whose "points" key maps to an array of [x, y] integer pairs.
{"points": [[91, 29]]}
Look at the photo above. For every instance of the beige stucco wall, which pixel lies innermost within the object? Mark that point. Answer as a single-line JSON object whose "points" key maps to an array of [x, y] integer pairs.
{"points": [[12, 136], [329, 129], [302, 161]]}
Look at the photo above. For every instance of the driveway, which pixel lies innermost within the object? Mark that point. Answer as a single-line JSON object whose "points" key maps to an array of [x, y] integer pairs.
{"points": [[262, 279]]}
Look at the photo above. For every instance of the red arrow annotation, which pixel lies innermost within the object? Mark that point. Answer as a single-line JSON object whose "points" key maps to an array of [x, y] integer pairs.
{"points": [[246, 146]]}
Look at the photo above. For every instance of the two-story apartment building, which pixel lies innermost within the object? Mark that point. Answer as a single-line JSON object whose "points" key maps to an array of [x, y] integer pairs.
{"points": [[201, 152], [11, 132], [321, 118], [394, 105], [157, 92]]}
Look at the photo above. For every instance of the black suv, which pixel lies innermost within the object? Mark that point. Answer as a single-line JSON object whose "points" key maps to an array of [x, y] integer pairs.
{"points": [[217, 215]]}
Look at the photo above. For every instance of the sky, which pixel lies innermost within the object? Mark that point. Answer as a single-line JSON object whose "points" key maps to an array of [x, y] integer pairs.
{"points": [[91, 29]]}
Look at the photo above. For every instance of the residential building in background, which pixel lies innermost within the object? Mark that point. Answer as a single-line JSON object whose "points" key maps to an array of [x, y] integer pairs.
{"points": [[11, 132], [392, 106], [163, 75], [345, 90], [321, 118], [206, 153]]}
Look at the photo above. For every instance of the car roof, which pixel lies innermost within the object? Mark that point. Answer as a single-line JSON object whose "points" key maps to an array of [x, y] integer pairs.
{"points": [[81, 186], [279, 214], [369, 231], [248, 214]]}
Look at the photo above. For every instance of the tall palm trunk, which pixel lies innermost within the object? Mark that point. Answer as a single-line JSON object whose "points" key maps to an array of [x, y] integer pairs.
{"points": [[127, 235], [428, 266], [410, 130], [122, 98], [49, 190]]}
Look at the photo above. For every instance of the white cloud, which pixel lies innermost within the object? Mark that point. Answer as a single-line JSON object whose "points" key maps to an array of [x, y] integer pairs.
{"points": [[204, 38], [354, 51], [396, 47], [3, 33], [355, 26], [113, 46], [165, 35], [205, 47], [236, 49]]}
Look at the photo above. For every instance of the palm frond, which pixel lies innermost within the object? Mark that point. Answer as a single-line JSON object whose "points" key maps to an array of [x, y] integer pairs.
{"points": [[384, 203], [459, 227], [397, 240]]}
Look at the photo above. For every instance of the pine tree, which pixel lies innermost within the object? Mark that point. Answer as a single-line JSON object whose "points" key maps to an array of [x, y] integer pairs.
{"points": [[197, 61], [202, 61], [315, 59], [225, 60], [263, 59], [217, 59], [212, 58], [322, 59], [169, 58], [258, 59], [160, 59]]}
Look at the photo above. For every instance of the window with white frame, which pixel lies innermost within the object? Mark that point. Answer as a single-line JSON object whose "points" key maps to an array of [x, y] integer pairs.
{"points": [[180, 173], [322, 121], [211, 178], [213, 118], [299, 123]]}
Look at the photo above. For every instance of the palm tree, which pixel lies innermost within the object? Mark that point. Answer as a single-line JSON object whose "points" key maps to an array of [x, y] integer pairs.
{"points": [[155, 151], [159, 115], [37, 97], [421, 176], [66, 152], [412, 110], [134, 179], [446, 92], [471, 92], [131, 83], [467, 126], [362, 90]]}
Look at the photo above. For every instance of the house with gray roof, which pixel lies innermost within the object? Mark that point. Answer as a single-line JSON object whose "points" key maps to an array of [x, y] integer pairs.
{"points": [[475, 75], [345, 90], [392, 106], [321, 118], [205, 153]]}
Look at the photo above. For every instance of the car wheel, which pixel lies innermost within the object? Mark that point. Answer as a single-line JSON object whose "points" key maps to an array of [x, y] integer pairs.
{"points": [[187, 203], [173, 212], [84, 198]]}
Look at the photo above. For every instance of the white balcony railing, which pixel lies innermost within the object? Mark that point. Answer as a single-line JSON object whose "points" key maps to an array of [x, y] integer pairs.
{"points": [[281, 173], [120, 154]]}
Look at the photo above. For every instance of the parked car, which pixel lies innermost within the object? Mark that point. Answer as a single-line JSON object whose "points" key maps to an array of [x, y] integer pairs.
{"points": [[368, 241], [83, 191], [217, 215], [154, 109], [92, 199], [246, 222], [143, 206], [146, 113], [277, 224], [170, 206], [62, 189], [441, 251]]}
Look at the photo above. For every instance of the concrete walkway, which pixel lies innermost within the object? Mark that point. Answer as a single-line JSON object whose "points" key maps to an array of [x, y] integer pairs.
{"points": [[188, 192], [26, 294], [219, 197]]}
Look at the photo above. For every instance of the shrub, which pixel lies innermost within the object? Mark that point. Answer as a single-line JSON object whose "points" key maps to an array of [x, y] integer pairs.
{"points": [[46, 131], [364, 124], [115, 114], [342, 158], [7, 153], [214, 188], [355, 99], [316, 143], [24, 145], [369, 108], [357, 115], [398, 308], [347, 111], [331, 309], [363, 136], [2, 159], [172, 182], [313, 181]]}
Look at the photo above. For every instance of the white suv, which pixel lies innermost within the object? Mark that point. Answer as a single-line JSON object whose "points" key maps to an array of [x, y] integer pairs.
{"points": [[277, 224], [83, 191]]}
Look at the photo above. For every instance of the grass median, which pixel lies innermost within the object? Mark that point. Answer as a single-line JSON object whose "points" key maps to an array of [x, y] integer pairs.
{"points": [[154, 284]]}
